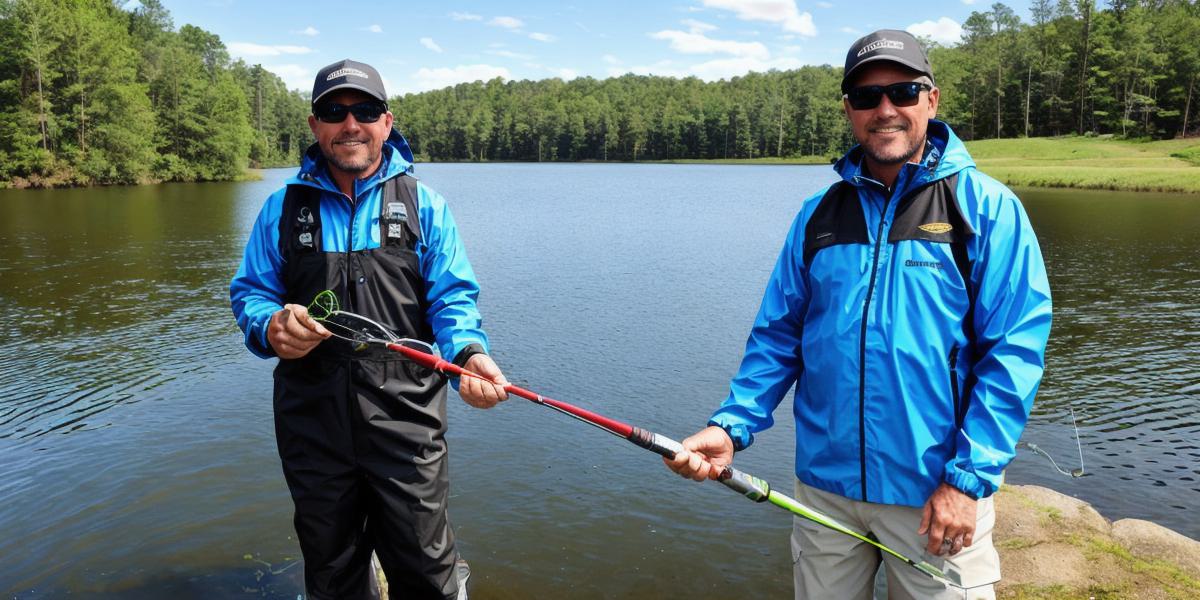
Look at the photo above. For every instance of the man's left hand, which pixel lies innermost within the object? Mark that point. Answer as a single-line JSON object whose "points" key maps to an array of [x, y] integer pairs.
{"points": [[949, 519], [480, 393]]}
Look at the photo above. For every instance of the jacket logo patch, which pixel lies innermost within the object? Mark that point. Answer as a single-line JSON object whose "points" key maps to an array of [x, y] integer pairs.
{"points": [[928, 264], [936, 227]]}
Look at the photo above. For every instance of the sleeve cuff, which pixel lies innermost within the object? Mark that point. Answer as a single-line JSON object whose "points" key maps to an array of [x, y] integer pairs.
{"points": [[738, 433], [466, 353], [968, 483]]}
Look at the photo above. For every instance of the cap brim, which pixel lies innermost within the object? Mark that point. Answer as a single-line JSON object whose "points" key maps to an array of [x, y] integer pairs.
{"points": [[349, 86], [899, 61]]}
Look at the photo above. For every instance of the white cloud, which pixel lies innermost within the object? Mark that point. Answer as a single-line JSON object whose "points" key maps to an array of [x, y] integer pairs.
{"points": [[695, 26], [295, 77], [698, 43], [507, 22], [565, 74], [943, 31], [462, 16], [850, 30], [783, 12], [968, 2], [310, 31], [541, 37], [510, 54], [432, 45], [825, 5], [431, 79], [247, 49], [374, 28], [610, 59]]}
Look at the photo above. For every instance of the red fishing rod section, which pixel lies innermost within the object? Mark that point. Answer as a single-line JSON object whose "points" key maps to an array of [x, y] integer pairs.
{"points": [[649, 440]]}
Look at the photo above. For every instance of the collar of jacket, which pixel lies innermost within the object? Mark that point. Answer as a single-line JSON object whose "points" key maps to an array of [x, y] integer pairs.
{"points": [[397, 159], [944, 156]]}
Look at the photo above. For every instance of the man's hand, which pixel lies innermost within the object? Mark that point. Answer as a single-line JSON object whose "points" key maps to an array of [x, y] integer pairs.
{"points": [[292, 333], [705, 456], [949, 518], [480, 393]]}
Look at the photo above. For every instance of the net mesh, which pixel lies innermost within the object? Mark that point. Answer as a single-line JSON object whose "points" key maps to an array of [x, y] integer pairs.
{"points": [[324, 305]]}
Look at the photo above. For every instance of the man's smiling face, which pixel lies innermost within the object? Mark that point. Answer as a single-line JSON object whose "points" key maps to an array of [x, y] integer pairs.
{"points": [[351, 146], [891, 134]]}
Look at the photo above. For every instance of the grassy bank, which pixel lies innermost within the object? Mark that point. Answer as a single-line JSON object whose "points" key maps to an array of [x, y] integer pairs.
{"points": [[1053, 546], [1099, 163], [1092, 163]]}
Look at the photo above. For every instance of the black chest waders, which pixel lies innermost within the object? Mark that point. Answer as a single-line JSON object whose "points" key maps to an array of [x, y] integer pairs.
{"points": [[361, 433]]}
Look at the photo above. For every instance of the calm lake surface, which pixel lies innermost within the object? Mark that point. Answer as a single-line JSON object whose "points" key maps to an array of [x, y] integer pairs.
{"points": [[137, 455]]}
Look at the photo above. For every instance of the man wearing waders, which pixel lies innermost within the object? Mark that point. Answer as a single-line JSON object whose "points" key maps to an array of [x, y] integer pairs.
{"points": [[910, 309], [361, 433]]}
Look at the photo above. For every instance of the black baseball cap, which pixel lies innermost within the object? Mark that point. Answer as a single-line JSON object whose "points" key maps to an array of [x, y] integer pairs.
{"points": [[891, 45], [348, 74]]}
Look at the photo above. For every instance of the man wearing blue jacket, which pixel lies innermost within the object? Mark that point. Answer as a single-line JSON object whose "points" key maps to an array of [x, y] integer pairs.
{"points": [[361, 433], [910, 308]]}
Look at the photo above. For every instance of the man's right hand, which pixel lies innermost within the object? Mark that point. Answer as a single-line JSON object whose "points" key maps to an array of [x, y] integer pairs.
{"points": [[705, 455], [292, 333]]}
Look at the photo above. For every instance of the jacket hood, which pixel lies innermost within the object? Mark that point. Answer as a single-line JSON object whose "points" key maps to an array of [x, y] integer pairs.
{"points": [[945, 156], [397, 158]]}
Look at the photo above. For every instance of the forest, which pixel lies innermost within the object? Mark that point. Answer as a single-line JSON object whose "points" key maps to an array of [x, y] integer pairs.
{"points": [[94, 94], [91, 93]]}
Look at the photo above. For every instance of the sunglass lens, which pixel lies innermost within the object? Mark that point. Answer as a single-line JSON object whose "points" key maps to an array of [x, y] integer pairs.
{"points": [[904, 94], [331, 112], [367, 112], [866, 97]]}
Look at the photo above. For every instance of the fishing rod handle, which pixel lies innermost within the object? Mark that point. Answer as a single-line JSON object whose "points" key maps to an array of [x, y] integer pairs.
{"points": [[745, 484], [656, 443]]}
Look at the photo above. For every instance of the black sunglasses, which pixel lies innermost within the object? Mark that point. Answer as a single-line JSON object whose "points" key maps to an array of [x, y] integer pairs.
{"points": [[364, 112], [900, 94]]}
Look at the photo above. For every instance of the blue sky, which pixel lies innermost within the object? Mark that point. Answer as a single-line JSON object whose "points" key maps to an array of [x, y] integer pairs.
{"points": [[419, 45]]}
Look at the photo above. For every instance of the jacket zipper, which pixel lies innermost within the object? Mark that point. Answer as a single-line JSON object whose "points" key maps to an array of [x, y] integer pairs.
{"points": [[862, 358], [954, 397]]}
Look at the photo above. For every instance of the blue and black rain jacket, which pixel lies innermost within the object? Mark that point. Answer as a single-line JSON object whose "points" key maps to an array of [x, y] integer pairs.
{"points": [[907, 373]]}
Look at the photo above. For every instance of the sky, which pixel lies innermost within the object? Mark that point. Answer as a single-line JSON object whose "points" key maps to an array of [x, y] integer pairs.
{"points": [[419, 45]]}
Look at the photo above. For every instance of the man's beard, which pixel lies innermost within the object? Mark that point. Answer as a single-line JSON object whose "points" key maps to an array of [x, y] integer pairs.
{"points": [[894, 158], [350, 165]]}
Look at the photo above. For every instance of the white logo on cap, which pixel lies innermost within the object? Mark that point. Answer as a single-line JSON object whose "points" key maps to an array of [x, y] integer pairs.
{"points": [[347, 71], [876, 45]]}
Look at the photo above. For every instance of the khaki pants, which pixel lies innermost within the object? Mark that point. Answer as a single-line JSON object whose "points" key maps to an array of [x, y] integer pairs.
{"points": [[828, 564]]}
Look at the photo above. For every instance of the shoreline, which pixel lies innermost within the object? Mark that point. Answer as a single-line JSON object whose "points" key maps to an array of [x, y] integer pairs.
{"points": [[1055, 546], [1071, 163]]}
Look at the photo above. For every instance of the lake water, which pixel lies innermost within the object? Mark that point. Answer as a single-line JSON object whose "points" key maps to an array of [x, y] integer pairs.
{"points": [[137, 456]]}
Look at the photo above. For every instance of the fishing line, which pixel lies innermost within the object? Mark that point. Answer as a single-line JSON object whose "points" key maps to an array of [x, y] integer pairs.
{"points": [[1073, 472]]}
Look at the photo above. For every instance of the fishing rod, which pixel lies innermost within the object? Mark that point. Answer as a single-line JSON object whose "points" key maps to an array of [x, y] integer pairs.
{"points": [[363, 332]]}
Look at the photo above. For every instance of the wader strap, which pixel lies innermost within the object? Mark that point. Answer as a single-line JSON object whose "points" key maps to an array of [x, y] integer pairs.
{"points": [[300, 221], [399, 220]]}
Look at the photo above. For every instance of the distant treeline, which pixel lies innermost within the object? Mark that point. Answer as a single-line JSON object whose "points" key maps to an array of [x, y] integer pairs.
{"points": [[92, 93], [1129, 69]]}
